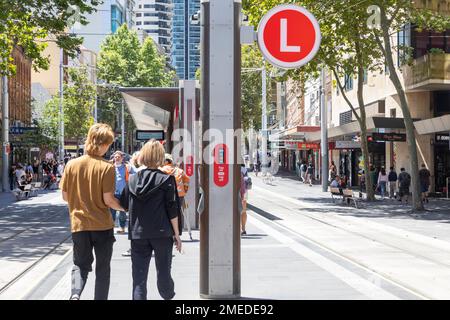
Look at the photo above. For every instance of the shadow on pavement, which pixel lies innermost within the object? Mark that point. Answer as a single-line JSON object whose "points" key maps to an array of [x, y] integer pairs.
{"points": [[29, 230]]}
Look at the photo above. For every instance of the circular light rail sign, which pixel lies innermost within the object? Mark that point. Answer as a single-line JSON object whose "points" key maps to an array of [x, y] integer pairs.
{"points": [[289, 36]]}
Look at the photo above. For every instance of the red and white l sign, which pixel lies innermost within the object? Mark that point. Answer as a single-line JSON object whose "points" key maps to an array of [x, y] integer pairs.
{"points": [[289, 36]]}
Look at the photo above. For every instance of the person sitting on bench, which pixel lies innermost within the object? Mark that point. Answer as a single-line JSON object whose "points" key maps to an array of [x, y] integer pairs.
{"points": [[336, 183]]}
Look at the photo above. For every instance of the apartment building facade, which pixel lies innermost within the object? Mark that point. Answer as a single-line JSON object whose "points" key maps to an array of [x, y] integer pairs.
{"points": [[155, 18]]}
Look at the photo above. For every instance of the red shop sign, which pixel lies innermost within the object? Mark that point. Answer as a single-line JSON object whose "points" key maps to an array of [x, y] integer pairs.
{"points": [[308, 146]]}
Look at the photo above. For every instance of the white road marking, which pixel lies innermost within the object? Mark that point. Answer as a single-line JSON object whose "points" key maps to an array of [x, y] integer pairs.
{"points": [[364, 286]]}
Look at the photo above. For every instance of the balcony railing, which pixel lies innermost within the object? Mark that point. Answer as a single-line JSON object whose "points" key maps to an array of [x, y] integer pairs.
{"points": [[429, 70]]}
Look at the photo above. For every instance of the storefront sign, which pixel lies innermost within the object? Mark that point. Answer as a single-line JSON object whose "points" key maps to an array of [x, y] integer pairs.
{"points": [[21, 130], [301, 146], [442, 139], [347, 145], [307, 146], [388, 137]]}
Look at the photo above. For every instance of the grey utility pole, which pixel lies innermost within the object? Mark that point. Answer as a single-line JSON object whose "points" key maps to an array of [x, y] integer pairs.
{"points": [[220, 254], [122, 124], [61, 109], [5, 136], [324, 132], [264, 119]]}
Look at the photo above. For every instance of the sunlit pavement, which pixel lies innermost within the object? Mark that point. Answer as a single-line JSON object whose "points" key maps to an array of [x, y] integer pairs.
{"points": [[300, 245]]}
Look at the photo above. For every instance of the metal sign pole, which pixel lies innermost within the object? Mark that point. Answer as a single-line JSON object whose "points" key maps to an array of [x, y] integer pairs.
{"points": [[324, 132], [220, 174], [189, 143], [61, 108], [5, 125]]}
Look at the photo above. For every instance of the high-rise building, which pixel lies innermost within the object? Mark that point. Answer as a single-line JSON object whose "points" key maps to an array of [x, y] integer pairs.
{"points": [[185, 55], [110, 15], [155, 18]]}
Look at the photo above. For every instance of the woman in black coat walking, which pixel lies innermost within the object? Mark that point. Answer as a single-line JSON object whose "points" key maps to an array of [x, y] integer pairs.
{"points": [[151, 200]]}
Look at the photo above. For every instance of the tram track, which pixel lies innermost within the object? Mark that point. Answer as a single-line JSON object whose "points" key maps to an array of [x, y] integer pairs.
{"points": [[32, 226], [35, 263], [352, 260]]}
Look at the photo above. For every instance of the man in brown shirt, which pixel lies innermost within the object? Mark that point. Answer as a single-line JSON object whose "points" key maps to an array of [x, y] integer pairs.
{"points": [[88, 186]]}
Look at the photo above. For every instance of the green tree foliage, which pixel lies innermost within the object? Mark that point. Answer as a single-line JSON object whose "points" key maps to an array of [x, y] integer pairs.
{"points": [[251, 87], [394, 14], [27, 23], [124, 61], [78, 103], [345, 49]]}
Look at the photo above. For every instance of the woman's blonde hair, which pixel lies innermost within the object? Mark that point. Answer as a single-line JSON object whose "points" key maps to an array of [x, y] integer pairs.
{"points": [[152, 154], [99, 134]]}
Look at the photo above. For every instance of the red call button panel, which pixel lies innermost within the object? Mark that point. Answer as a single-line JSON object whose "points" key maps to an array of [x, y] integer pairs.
{"points": [[221, 174], [190, 166]]}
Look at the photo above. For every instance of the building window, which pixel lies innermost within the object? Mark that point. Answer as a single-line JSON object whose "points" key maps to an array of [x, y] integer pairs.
{"points": [[403, 44], [365, 76], [348, 82], [116, 18]]}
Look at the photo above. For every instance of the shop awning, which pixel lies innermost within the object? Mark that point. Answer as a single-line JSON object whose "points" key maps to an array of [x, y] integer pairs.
{"points": [[150, 107], [433, 125], [351, 128], [296, 133]]}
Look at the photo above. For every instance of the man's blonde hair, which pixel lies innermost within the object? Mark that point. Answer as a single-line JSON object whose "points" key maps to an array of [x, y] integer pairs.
{"points": [[152, 154], [99, 134]]}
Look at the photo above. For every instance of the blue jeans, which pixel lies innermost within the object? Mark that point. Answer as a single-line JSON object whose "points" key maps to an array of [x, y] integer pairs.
{"points": [[383, 188], [122, 215]]}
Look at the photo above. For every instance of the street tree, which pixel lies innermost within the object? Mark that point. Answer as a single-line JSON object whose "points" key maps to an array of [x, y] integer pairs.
{"points": [[125, 62], [393, 15], [26, 23], [78, 104], [345, 50]]}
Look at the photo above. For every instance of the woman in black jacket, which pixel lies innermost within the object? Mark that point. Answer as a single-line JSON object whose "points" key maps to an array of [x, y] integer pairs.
{"points": [[150, 198]]}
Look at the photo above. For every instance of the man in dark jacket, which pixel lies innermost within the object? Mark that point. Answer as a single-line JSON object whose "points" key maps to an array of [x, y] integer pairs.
{"points": [[392, 179], [151, 199]]}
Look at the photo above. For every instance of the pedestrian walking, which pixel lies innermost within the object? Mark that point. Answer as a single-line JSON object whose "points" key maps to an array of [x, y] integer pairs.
{"points": [[245, 186], [392, 180], [424, 178], [12, 177], [136, 165], [332, 172], [123, 172], [309, 174], [36, 169], [303, 169], [182, 188], [404, 181], [88, 186], [151, 198], [382, 182], [257, 167]]}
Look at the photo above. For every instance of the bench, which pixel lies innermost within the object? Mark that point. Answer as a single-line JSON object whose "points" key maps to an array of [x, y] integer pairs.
{"points": [[35, 188], [22, 194], [348, 196], [335, 192]]}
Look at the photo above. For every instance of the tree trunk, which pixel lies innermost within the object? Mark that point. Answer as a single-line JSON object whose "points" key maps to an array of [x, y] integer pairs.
{"points": [[370, 194], [409, 125]]}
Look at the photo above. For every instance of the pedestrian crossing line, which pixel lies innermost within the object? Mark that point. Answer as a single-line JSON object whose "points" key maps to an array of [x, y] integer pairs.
{"points": [[362, 285]]}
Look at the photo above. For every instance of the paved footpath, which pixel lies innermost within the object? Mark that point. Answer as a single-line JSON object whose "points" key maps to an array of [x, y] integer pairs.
{"points": [[299, 245], [275, 264], [409, 250]]}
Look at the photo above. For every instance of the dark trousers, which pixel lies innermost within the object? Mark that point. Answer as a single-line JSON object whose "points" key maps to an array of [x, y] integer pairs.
{"points": [[141, 253], [83, 243]]}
